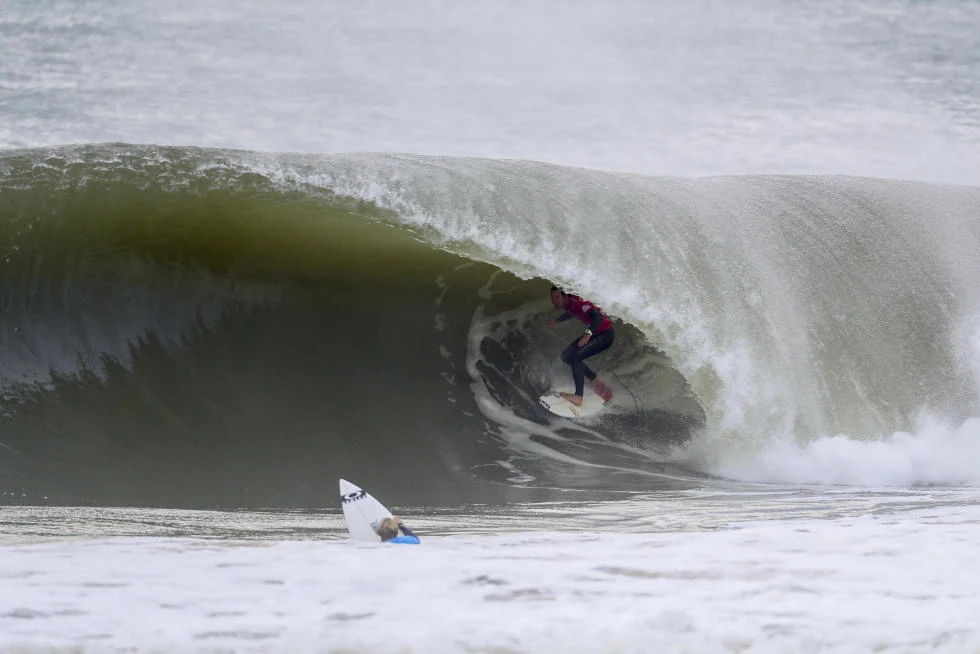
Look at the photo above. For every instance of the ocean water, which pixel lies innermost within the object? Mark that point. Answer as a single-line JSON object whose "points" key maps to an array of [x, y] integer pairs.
{"points": [[246, 249]]}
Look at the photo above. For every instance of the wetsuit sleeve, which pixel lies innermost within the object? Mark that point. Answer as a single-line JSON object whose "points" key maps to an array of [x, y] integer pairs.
{"points": [[405, 530], [563, 317], [596, 317]]}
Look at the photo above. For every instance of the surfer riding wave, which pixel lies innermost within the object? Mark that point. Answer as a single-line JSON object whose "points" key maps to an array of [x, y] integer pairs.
{"points": [[598, 337]]}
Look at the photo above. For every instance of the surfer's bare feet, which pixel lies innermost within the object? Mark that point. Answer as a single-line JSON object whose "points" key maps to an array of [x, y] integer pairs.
{"points": [[574, 399]]}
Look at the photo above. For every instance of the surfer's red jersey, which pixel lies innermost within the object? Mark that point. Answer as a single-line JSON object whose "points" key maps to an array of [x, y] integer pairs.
{"points": [[588, 313]]}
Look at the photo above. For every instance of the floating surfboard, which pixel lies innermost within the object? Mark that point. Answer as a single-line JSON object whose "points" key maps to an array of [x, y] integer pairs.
{"points": [[592, 402], [361, 511]]}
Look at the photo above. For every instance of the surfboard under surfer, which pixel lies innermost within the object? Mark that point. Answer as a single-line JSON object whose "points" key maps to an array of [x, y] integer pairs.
{"points": [[598, 337]]}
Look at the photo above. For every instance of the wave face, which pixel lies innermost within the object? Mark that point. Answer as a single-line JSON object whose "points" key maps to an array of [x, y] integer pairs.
{"points": [[197, 327]]}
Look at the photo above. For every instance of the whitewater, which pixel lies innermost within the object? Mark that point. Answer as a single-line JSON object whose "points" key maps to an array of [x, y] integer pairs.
{"points": [[248, 249]]}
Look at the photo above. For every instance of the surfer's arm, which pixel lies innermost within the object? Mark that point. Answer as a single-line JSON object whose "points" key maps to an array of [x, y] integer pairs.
{"points": [[405, 530], [596, 317], [562, 318]]}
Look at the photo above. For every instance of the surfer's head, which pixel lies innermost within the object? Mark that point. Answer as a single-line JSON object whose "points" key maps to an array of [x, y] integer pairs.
{"points": [[557, 297], [387, 528]]}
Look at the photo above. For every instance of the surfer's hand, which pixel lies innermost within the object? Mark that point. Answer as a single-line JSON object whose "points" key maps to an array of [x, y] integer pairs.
{"points": [[551, 323], [582, 341]]}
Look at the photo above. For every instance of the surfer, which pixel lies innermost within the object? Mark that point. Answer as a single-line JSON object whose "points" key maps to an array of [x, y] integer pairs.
{"points": [[388, 530], [598, 336]]}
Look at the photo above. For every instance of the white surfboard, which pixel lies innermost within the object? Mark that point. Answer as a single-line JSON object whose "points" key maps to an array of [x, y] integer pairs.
{"points": [[554, 402], [361, 511]]}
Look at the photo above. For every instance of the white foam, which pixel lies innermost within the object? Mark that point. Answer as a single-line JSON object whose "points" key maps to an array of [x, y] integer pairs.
{"points": [[851, 584], [936, 452]]}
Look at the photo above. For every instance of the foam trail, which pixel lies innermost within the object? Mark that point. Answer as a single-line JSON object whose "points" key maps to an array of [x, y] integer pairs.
{"points": [[935, 453]]}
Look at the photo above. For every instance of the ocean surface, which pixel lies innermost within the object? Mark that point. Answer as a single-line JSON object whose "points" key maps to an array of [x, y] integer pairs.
{"points": [[249, 248]]}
